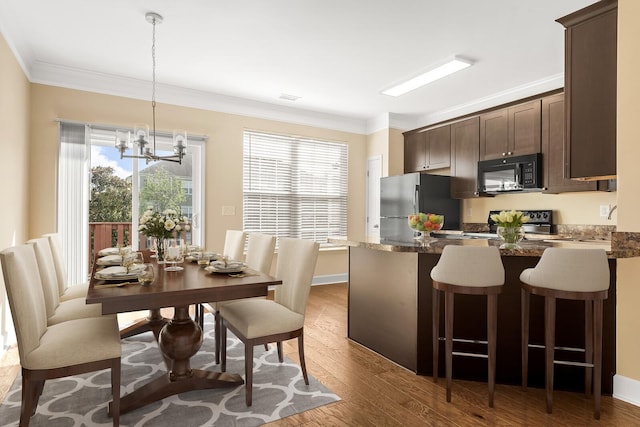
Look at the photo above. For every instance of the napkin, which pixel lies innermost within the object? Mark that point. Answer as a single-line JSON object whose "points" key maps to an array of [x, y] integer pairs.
{"points": [[111, 251], [230, 264], [109, 260], [117, 270]]}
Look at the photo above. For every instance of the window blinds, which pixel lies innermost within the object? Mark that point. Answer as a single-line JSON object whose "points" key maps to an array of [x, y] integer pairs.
{"points": [[294, 187]]}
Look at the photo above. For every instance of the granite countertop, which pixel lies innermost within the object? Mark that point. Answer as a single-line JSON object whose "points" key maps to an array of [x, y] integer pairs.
{"points": [[615, 248]]}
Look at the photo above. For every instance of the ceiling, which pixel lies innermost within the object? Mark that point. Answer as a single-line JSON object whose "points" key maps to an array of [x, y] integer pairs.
{"points": [[336, 55]]}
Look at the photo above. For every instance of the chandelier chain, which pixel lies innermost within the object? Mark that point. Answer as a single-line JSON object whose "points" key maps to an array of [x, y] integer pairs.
{"points": [[153, 82]]}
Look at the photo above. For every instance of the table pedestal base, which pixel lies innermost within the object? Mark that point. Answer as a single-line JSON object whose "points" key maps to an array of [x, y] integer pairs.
{"points": [[163, 387], [178, 340]]}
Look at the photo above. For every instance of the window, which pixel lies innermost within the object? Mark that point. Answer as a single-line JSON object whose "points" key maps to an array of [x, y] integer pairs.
{"points": [[294, 187], [86, 149]]}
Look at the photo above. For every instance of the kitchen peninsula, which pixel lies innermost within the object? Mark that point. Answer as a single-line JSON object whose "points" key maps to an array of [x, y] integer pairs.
{"points": [[390, 297]]}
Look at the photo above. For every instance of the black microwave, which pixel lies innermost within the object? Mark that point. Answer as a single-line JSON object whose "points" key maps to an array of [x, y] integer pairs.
{"points": [[519, 173]]}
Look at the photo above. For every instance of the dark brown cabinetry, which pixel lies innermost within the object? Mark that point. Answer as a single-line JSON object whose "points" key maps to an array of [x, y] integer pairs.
{"points": [[465, 149], [427, 150], [512, 131], [553, 152], [590, 90]]}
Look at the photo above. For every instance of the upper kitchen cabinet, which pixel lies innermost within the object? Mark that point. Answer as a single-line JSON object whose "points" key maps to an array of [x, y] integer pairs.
{"points": [[427, 150], [512, 131], [465, 149], [553, 153], [590, 90]]}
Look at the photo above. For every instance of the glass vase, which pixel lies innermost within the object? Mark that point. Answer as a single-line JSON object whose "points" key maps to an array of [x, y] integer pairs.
{"points": [[160, 249], [511, 236]]}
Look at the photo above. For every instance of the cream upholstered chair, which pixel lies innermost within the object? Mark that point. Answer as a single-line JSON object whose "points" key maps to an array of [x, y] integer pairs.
{"points": [[257, 321], [54, 351], [58, 311], [234, 244], [573, 274], [260, 249], [66, 292], [234, 241], [471, 270]]}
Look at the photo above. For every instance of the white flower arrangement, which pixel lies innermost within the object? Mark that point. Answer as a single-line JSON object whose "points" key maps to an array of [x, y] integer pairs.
{"points": [[162, 225], [510, 219]]}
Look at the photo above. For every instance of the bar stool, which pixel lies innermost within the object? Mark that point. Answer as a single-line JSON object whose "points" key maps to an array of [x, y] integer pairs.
{"points": [[470, 270], [573, 274]]}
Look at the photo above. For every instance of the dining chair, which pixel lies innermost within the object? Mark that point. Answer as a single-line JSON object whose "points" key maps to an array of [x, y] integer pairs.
{"points": [[58, 311], [234, 244], [234, 250], [257, 321], [260, 250], [54, 351], [66, 292]]}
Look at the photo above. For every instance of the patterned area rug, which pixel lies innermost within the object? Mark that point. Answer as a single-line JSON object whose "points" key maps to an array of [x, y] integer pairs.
{"points": [[278, 391]]}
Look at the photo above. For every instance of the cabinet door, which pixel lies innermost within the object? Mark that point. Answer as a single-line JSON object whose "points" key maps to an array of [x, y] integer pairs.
{"points": [[494, 134], [415, 152], [553, 153], [439, 147], [465, 149], [524, 129], [590, 90]]}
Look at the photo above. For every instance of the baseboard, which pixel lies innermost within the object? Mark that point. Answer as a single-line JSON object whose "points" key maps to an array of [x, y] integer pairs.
{"points": [[626, 389], [7, 339], [330, 279]]}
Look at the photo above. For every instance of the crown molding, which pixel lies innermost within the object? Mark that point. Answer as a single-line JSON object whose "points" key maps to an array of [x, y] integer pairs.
{"points": [[523, 91], [92, 81]]}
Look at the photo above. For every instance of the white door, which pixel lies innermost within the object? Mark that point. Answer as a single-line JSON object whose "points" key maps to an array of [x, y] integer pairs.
{"points": [[374, 173]]}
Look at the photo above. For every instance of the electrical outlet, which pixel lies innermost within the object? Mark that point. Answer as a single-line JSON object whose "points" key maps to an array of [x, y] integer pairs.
{"points": [[604, 211], [231, 211]]}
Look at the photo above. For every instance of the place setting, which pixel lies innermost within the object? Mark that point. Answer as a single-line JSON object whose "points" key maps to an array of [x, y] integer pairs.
{"points": [[129, 271]]}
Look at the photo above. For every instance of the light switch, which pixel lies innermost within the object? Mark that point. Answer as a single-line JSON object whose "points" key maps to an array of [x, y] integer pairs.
{"points": [[228, 210]]}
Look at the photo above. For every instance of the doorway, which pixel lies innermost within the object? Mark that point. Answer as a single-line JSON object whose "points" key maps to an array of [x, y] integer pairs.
{"points": [[374, 173]]}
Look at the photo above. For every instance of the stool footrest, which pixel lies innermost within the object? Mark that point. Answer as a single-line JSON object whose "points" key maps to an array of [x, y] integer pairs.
{"points": [[465, 340], [478, 355], [576, 349], [567, 362]]}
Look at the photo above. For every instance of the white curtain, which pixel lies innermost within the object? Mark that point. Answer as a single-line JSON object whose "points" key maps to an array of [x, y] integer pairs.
{"points": [[73, 199]]}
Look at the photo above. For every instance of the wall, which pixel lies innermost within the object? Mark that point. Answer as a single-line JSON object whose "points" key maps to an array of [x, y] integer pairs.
{"points": [[569, 208], [627, 381], [223, 170], [14, 117]]}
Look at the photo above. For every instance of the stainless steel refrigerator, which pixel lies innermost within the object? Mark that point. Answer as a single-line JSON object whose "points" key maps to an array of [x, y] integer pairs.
{"points": [[403, 195]]}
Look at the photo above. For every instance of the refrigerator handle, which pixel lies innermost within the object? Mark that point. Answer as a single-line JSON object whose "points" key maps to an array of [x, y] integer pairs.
{"points": [[415, 198]]}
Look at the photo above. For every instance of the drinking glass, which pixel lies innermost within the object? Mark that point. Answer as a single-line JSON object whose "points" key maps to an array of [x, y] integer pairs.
{"points": [[203, 259], [146, 275], [173, 254]]}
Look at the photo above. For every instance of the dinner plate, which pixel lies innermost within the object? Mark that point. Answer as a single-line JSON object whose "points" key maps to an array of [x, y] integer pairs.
{"points": [[118, 273], [238, 268]]}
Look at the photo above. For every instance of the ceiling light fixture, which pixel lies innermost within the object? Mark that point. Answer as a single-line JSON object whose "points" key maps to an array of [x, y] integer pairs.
{"points": [[431, 75], [141, 131]]}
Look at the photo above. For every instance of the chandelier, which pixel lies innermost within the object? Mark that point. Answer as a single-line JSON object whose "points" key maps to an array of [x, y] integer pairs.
{"points": [[147, 141]]}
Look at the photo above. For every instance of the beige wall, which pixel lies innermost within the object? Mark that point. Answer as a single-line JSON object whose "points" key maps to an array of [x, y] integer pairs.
{"points": [[628, 153], [569, 208], [378, 145], [396, 152], [223, 172], [14, 168]]}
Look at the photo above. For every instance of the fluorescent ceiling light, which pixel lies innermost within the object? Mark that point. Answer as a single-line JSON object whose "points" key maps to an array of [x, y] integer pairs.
{"points": [[450, 67]]}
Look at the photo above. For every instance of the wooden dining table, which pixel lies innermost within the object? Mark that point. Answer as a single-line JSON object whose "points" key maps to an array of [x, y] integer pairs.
{"points": [[180, 338]]}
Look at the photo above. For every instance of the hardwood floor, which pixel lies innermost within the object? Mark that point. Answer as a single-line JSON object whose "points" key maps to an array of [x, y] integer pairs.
{"points": [[377, 392]]}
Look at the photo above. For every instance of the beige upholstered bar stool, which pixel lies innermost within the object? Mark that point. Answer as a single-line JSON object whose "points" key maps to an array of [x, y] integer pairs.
{"points": [[471, 270], [574, 274]]}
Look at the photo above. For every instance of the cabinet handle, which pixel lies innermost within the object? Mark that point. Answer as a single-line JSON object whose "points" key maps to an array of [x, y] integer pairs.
{"points": [[509, 152], [504, 154]]}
